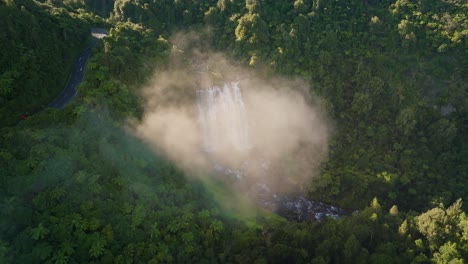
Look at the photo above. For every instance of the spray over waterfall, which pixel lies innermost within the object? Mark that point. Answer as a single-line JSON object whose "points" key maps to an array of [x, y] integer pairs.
{"points": [[269, 133]]}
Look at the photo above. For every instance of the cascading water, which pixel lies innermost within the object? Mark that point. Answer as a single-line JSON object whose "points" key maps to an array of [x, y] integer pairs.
{"points": [[223, 118]]}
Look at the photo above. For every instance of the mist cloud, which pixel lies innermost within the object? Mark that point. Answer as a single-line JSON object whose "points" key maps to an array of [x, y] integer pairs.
{"points": [[287, 129]]}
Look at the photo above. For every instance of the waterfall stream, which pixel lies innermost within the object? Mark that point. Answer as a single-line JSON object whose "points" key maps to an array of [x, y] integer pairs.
{"points": [[223, 118]]}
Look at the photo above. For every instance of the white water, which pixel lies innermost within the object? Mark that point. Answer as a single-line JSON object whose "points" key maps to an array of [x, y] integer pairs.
{"points": [[223, 118]]}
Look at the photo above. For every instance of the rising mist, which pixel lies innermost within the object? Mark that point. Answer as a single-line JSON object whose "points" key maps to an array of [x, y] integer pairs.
{"points": [[287, 129]]}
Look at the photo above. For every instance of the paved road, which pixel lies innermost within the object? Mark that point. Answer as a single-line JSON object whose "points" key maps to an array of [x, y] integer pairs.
{"points": [[69, 92]]}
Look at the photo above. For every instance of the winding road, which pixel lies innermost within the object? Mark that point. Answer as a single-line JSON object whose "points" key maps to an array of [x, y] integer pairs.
{"points": [[69, 92]]}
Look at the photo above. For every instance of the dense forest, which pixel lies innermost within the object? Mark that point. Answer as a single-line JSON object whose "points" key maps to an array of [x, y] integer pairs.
{"points": [[76, 186]]}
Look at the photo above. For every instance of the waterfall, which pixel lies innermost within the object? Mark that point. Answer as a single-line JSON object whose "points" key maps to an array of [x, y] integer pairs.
{"points": [[223, 118]]}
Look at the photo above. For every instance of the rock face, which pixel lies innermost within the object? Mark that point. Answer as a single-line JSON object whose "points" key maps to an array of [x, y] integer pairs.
{"points": [[296, 207], [301, 209]]}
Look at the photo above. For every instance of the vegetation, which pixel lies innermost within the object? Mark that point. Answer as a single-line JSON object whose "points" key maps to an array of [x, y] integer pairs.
{"points": [[76, 186]]}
